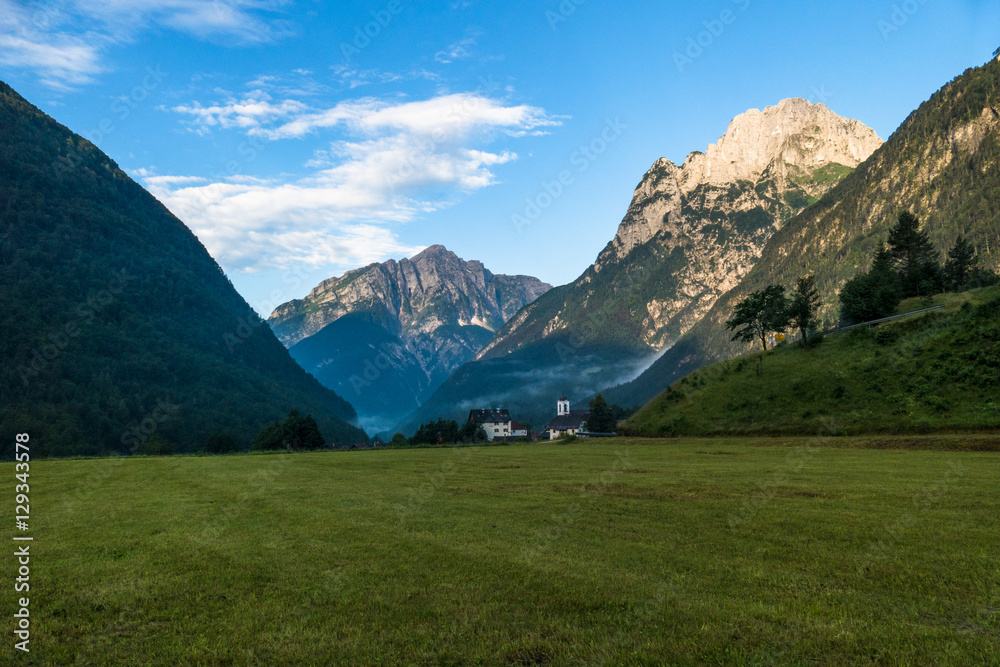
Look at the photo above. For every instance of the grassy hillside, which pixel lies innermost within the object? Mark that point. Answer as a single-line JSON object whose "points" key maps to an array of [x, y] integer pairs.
{"points": [[619, 552], [942, 164], [115, 321], [938, 371]]}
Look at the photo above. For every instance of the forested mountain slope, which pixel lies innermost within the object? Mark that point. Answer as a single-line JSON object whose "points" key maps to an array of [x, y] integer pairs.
{"points": [[117, 325]]}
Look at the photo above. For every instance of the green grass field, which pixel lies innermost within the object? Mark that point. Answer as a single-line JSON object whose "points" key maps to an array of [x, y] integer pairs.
{"points": [[752, 552], [935, 372]]}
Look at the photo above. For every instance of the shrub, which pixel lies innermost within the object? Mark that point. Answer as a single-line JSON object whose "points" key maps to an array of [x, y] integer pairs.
{"points": [[886, 336]]}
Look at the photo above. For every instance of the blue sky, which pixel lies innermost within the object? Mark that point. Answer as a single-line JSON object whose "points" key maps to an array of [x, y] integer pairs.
{"points": [[300, 139]]}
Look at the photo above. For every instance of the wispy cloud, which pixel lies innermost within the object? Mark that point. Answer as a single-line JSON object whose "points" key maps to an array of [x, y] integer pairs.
{"points": [[458, 51], [251, 112], [352, 77], [61, 62], [389, 162], [64, 42], [447, 116]]}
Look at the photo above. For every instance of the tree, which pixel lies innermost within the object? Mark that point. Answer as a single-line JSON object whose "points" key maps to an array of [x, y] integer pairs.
{"points": [[602, 418], [295, 432], [803, 307], [309, 436], [759, 314], [917, 262], [961, 262], [472, 431], [869, 296], [221, 443], [399, 440], [872, 295], [441, 432]]}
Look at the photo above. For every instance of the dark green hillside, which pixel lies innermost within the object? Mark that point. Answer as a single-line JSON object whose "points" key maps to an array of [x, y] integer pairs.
{"points": [[116, 323], [942, 164], [934, 372]]}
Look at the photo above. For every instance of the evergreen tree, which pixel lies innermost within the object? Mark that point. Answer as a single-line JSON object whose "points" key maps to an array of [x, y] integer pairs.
{"points": [[601, 419], [869, 296], [270, 437], [917, 262], [803, 307], [309, 436], [759, 314], [883, 265], [961, 262]]}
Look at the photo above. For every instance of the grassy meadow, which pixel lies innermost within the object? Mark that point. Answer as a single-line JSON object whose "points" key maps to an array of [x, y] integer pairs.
{"points": [[935, 372], [818, 551]]}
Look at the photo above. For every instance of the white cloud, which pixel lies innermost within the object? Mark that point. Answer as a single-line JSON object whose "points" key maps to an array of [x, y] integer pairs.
{"points": [[457, 51], [63, 42], [238, 20], [390, 162], [446, 116], [250, 112], [61, 62]]}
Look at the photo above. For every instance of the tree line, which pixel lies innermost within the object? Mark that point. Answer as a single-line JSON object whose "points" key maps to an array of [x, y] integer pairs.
{"points": [[603, 418], [906, 266]]}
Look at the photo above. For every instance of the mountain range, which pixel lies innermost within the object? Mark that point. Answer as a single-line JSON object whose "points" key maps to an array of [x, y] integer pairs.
{"points": [[387, 335], [691, 234], [119, 328]]}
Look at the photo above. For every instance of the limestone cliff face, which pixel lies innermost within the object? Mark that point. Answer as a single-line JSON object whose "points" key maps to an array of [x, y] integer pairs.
{"points": [[442, 307], [942, 164], [783, 146], [693, 232]]}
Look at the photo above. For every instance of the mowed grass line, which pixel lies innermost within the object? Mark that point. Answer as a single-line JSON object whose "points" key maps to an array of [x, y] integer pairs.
{"points": [[604, 552]]}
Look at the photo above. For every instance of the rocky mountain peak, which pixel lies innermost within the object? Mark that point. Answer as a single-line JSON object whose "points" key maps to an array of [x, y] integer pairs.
{"points": [[793, 132], [697, 229], [433, 288], [420, 318], [792, 151]]}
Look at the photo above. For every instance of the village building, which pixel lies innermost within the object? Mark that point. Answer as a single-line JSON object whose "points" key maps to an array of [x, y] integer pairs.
{"points": [[518, 430], [496, 422], [567, 422]]}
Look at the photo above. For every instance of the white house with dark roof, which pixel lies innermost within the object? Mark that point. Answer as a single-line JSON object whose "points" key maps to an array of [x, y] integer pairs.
{"points": [[567, 422], [496, 422]]}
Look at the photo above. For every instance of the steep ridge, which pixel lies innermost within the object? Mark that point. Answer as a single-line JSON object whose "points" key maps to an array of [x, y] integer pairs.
{"points": [[690, 235], [942, 164], [118, 328], [692, 232], [388, 334]]}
